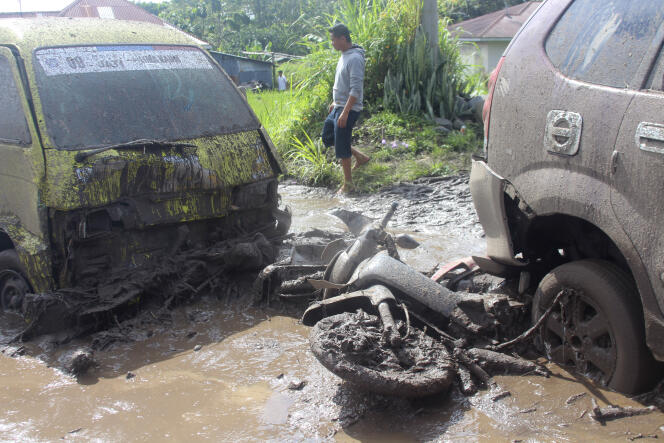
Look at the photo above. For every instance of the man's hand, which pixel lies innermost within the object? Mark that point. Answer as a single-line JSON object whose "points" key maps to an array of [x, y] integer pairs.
{"points": [[343, 118], [330, 108]]}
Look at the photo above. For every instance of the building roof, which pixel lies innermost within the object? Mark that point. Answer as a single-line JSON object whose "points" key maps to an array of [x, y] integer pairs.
{"points": [[499, 25], [105, 9], [239, 57], [118, 9], [29, 14]]}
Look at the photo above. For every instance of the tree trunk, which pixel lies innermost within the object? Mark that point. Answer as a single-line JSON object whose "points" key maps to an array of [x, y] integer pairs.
{"points": [[429, 21]]}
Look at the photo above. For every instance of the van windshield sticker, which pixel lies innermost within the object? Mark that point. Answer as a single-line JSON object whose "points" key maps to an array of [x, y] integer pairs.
{"points": [[91, 59]]}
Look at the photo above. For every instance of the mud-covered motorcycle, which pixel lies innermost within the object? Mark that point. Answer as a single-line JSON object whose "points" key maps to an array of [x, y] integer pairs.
{"points": [[368, 328]]}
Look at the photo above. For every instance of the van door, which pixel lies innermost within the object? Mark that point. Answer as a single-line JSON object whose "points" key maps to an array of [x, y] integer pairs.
{"points": [[638, 176], [21, 171]]}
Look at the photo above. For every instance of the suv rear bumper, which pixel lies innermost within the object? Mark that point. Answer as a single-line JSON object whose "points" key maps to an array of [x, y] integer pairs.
{"points": [[488, 191]]}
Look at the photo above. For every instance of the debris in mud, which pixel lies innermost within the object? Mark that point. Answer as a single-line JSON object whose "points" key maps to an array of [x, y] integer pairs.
{"points": [[575, 397], [165, 282], [197, 348], [500, 396], [653, 398], [641, 436], [297, 384], [497, 363], [78, 361], [474, 368], [611, 412], [466, 383], [14, 351], [489, 315], [350, 345], [130, 375]]}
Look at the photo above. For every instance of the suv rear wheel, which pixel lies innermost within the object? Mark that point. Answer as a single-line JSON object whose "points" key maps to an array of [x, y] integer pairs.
{"points": [[13, 284], [597, 326]]}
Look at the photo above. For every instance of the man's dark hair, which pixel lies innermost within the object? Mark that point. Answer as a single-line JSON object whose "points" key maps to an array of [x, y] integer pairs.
{"points": [[340, 30], [279, 72]]}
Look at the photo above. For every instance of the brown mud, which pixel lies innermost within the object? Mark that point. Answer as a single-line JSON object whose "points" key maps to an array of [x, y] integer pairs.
{"points": [[222, 368]]}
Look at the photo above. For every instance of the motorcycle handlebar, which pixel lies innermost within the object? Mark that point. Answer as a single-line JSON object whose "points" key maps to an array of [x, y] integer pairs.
{"points": [[389, 215]]}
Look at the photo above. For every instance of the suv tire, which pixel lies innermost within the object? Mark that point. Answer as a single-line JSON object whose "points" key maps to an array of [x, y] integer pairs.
{"points": [[598, 326], [13, 284]]}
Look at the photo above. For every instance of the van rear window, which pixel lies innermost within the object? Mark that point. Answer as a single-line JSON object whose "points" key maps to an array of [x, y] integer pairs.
{"points": [[605, 42], [101, 95]]}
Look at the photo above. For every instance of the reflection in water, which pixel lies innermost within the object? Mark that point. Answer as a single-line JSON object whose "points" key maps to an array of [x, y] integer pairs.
{"points": [[238, 386]]}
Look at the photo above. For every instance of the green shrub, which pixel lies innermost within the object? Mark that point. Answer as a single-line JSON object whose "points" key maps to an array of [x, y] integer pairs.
{"points": [[425, 79], [310, 160]]}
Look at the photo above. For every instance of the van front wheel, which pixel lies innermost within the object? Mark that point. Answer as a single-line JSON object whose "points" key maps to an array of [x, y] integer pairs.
{"points": [[13, 284], [597, 326]]}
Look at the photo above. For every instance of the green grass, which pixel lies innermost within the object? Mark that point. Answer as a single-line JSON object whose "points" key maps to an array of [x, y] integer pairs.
{"points": [[277, 111], [406, 147], [309, 161], [402, 147]]}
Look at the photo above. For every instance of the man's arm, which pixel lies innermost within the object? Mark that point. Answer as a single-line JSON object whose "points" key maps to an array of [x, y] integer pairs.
{"points": [[343, 118], [356, 68]]}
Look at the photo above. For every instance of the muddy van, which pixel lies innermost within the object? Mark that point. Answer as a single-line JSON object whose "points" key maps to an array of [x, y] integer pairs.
{"points": [[119, 141], [569, 190]]}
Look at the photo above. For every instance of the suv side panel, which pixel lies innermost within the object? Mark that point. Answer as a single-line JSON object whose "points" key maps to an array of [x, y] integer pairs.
{"points": [[637, 197]]}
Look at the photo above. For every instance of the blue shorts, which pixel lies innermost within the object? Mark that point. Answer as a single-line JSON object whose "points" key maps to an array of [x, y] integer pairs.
{"points": [[339, 137]]}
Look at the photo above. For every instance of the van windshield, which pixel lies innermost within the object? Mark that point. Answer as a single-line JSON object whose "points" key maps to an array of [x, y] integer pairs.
{"points": [[95, 96]]}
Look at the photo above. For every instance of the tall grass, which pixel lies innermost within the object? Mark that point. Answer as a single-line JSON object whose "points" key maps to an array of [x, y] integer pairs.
{"points": [[310, 160], [279, 112]]}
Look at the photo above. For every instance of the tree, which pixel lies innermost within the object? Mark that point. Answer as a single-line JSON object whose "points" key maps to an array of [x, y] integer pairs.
{"points": [[235, 25]]}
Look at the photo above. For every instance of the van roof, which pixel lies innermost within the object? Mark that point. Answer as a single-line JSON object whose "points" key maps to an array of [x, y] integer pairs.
{"points": [[27, 34]]}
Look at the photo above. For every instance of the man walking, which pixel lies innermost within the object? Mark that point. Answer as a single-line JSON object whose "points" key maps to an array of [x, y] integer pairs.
{"points": [[348, 93], [282, 82]]}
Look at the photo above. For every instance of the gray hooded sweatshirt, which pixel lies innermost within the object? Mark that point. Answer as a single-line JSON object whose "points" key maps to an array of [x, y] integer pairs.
{"points": [[349, 78]]}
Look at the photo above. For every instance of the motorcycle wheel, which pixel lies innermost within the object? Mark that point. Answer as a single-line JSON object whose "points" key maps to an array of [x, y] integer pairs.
{"points": [[351, 346]]}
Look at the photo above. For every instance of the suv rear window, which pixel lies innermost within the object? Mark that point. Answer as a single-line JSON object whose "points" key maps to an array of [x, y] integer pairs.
{"points": [[604, 42], [103, 95]]}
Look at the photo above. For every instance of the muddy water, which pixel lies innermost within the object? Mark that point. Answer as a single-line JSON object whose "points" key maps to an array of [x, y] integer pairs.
{"points": [[225, 371]]}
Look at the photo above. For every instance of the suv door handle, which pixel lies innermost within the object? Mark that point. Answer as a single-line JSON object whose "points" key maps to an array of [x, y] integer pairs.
{"points": [[650, 137]]}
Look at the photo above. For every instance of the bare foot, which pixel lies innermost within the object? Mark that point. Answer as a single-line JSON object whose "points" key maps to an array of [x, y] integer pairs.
{"points": [[360, 161], [346, 189]]}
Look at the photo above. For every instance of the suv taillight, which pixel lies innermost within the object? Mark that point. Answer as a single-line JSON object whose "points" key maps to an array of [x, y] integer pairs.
{"points": [[486, 110]]}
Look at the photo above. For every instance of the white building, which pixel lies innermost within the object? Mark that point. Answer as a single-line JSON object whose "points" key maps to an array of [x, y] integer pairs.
{"points": [[486, 37]]}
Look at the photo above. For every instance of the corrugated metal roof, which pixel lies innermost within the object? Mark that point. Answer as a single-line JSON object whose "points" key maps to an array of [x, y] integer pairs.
{"points": [[239, 57], [502, 24], [118, 9], [31, 14]]}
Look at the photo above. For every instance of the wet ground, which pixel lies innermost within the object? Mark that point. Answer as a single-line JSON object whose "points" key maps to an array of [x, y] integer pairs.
{"points": [[224, 370]]}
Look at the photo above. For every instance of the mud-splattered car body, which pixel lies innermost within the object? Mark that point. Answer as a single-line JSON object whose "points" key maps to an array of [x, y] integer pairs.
{"points": [[573, 165], [120, 143]]}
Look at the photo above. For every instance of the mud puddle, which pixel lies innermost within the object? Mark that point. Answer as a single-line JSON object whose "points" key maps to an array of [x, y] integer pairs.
{"points": [[221, 369]]}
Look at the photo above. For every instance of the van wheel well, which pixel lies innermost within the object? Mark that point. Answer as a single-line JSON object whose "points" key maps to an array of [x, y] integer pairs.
{"points": [[5, 242]]}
